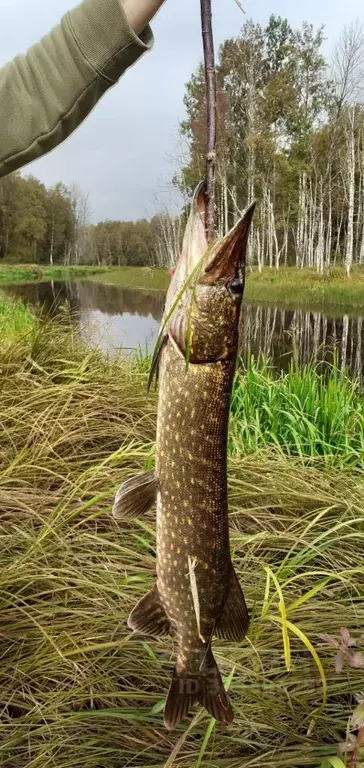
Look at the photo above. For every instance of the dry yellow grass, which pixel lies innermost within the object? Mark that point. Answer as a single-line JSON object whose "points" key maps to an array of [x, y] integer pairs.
{"points": [[76, 689]]}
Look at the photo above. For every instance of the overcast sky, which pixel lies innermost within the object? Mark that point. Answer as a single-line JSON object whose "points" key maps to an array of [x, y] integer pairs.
{"points": [[123, 155]]}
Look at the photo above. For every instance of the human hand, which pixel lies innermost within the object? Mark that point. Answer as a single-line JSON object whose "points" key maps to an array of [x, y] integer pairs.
{"points": [[140, 12]]}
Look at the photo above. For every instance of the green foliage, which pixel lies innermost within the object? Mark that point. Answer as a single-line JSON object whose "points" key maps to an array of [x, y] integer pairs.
{"points": [[273, 88], [36, 224], [282, 140], [77, 690], [302, 413], [49, 226], [129, 243]]}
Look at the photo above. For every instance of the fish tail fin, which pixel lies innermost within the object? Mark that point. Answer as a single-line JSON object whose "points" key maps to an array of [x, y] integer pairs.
{"points": [[183, 693], [205, 687]]}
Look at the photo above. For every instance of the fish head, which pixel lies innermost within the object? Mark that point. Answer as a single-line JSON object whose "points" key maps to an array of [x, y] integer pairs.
{"points": [[207, 288]]}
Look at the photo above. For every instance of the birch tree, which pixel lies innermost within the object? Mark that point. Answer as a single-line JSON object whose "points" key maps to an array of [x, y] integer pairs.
{"points": [[350, 160]]}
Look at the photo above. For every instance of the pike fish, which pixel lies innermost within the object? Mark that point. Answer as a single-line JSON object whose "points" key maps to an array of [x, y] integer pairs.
{"points": [[197, 594]]}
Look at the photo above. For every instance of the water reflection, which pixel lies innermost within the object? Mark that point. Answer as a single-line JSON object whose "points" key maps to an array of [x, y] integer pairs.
{"points": [[283, 333], [113, 317], [110, 317]]}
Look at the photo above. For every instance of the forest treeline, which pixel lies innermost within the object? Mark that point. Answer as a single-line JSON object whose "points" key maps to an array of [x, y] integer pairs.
{"points": [[290, 135], [51, 226]]}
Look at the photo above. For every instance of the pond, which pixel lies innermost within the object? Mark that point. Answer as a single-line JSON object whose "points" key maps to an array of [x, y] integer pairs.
{"points": [[115, 318]]}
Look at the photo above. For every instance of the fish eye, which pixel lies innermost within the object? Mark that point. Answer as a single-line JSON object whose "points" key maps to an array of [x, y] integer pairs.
{"points": [[236, 286]]}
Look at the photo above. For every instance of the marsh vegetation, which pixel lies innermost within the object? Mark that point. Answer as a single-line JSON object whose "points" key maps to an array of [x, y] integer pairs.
{"points": [[75, 687]]}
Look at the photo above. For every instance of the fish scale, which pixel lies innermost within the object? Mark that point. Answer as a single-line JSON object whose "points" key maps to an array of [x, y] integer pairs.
{"points": [[192, 520], [197, 594]]}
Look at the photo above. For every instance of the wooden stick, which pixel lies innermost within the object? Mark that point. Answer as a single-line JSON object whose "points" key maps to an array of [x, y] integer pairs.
{"points": [[210, 72]]}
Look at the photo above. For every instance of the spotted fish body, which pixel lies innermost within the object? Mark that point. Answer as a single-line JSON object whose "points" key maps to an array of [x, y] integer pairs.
{"points": [[197, 594]]}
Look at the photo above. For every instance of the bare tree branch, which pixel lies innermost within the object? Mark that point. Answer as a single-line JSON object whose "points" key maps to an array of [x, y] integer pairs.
{"points": [[210, 72], [348, 65]]}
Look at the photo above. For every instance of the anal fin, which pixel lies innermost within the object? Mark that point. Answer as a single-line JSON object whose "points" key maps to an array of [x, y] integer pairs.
{"points": [[233, 622], [149, 616], [135, 496]]}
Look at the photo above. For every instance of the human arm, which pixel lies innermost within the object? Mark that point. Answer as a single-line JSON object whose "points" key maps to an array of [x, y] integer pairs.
{"points": [[47, 93], [141, 12]]}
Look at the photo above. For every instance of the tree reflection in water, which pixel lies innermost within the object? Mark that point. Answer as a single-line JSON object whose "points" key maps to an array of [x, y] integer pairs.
{"points": [[113, 317]]}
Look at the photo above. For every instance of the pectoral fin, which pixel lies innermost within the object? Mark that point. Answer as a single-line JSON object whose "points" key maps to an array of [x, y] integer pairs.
{"points": [[148, 616], [233, 623], [135, 496]]}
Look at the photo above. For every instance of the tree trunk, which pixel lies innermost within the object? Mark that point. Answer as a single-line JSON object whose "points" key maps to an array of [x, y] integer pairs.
{"points": [[321, 233], [52, 243], [351, 190], [329, 224], [361, 236], [226, 205], [259, 252]]}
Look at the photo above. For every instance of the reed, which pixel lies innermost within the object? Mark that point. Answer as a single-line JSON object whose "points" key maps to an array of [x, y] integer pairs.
{"points": [[306, 412]]}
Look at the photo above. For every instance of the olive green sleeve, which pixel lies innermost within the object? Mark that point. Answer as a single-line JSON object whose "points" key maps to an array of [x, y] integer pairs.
{"points": [[46, 94]]}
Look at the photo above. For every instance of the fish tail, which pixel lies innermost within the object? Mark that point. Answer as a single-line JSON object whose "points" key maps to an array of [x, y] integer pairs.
{"points": [[205, 687]]}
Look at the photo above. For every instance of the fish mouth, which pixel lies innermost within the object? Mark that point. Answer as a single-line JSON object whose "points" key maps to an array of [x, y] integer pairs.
{"points": [[227, 258]]}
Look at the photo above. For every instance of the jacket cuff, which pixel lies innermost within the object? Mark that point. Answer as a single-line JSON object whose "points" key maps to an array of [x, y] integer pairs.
{"points": [[105, 38]]}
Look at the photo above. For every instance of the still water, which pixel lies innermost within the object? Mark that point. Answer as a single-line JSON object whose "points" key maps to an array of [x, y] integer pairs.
{"points": [[114, 318]]}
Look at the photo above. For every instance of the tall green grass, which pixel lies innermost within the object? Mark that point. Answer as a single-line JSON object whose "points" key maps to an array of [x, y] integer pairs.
{"points": [[77, 690], [303, 413], [15, 318]]}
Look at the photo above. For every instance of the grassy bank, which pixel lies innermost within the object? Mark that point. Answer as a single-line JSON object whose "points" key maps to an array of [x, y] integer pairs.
{"points": [[293, 287], [137, 277], [76, 689], [20, 273], [285, 286]]}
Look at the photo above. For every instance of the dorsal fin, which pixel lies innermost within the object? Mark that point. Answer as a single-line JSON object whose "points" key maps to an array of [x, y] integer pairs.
{"points": [[233, 623]]}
